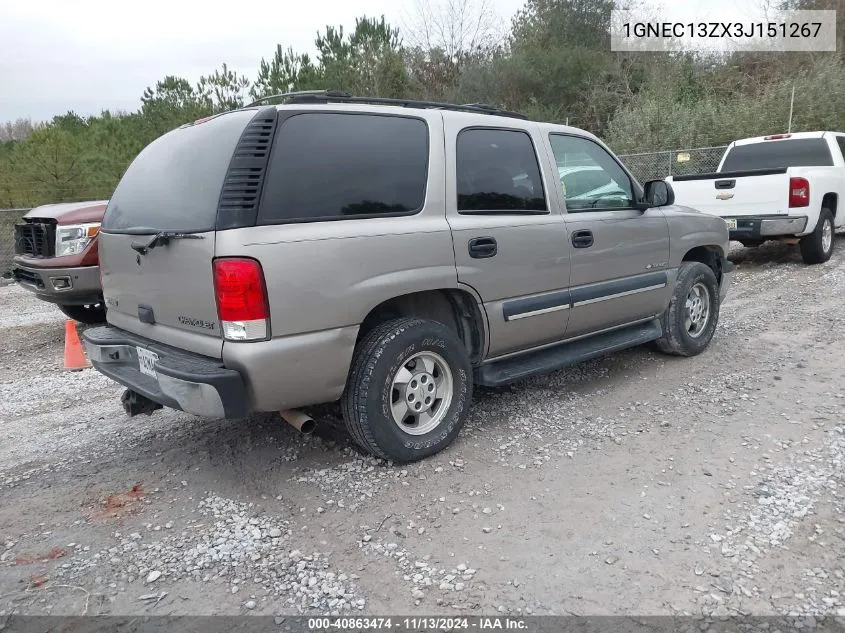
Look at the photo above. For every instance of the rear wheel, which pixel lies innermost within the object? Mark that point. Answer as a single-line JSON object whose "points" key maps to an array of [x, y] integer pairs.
{"points": [[817, 247], [690, 320], [409, 390], [91, 314]]}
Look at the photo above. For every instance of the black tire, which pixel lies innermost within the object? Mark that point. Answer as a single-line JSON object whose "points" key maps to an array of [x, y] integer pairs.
{"points": [[812, 245], [366, 401], [86, 314], [677, 338]]}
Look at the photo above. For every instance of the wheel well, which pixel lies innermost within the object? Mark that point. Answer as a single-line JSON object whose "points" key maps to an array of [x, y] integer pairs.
{"points": [[708, 255], [456, 309], [829, 202]]}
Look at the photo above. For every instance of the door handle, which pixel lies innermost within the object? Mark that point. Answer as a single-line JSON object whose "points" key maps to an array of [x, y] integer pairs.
{"points": [[483, 247], [582, 239]]}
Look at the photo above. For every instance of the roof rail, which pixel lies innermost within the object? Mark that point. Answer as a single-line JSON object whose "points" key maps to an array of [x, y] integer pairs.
{"points": [[301, 93], [336, 96]]}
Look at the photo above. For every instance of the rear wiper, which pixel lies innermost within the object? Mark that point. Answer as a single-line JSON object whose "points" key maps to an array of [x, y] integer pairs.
{"points": [[161, 239]]}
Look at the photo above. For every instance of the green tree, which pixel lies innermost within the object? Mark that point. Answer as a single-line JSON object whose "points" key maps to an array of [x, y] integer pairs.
{"points": [[224, 89], [50, 165], [368, 61], [171, 103], [286, 71]]}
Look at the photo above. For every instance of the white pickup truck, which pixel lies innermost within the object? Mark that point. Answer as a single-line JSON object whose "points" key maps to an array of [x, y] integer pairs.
{"points": [[783, 187]]}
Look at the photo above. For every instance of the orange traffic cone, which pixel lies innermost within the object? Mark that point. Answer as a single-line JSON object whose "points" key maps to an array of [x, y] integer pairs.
{"points": [[75, 358]]}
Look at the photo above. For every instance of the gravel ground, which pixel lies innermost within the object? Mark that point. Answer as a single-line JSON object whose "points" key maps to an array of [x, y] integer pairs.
{"points": [[635, 484]]}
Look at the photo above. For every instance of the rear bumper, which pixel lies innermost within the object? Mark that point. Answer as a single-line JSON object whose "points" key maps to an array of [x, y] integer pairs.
{"points": [[65, 286], [763, 226], [185, 381]]}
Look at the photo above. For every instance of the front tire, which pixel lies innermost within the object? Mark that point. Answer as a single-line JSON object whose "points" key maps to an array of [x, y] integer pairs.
{"points": [[817, 247], [408, 391], [93, 314], [690, 320]]}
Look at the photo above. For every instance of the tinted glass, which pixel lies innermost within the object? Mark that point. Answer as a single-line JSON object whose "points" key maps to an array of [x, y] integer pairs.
{"points": [[174, 183], [804, 152], [498, 172], [840, 140], [590, 177], [345, 165]]}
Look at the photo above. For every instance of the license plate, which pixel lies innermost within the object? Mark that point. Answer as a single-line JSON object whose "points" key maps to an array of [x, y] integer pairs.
{"points": [[731, 224], [147, 361]]}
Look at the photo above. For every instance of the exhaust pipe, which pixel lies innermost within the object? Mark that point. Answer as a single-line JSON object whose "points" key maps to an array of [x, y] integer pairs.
{"points": [[302, 422], [135, 404]]}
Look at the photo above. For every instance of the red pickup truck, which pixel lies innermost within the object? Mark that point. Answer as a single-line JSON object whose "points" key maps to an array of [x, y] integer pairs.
{"points": [[56, 257]]}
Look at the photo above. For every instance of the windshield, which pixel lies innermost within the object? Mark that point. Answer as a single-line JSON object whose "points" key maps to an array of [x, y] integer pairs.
{"points": [[174, 183], [804, 152]]}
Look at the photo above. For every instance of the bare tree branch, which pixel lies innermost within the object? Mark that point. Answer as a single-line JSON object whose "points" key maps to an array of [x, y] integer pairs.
{"points": [[455, 27]]}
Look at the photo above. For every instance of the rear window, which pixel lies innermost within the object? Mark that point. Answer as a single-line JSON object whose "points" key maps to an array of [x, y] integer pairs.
{"points": [[804, 152], [174, 183], [336, 166]]}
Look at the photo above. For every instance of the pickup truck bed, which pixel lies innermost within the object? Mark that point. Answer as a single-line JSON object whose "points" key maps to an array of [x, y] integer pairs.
{"points": [[793, 195]]}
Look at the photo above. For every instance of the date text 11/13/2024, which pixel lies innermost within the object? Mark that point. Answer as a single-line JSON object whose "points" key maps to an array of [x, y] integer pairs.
{"points": [[416, 624]]}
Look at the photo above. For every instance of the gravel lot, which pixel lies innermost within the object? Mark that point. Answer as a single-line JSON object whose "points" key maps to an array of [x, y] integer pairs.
{"points": [[635, 484]]}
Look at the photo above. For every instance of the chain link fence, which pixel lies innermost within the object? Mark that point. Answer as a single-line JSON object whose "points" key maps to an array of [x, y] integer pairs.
{"points": [[654, 165]]}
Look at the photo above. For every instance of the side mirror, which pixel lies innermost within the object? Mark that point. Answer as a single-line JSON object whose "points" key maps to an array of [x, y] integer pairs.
{"points": [[658, 193]]}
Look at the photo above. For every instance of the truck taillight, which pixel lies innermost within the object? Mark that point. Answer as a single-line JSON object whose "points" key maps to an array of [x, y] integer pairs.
{"points": [[799, 192], [241, 294], [776, 137]]}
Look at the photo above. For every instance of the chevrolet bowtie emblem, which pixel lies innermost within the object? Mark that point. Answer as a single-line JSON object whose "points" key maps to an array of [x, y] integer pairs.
{"points": [[724, 195]]}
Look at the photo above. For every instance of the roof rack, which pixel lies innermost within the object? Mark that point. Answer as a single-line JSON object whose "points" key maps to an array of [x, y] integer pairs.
{"points": [[336, 96]]}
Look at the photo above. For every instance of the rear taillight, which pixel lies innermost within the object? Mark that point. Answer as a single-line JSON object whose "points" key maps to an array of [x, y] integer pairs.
{"points": [[241, 299], [776, 137], [799, 192]]}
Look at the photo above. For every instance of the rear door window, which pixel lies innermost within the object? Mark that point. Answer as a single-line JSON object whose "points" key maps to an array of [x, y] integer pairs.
{"points": [[802, 152], [498, 172], [331, 166]]}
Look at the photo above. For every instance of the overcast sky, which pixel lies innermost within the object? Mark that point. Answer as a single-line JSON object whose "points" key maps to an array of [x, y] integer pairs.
{"points": [[90, 55]]}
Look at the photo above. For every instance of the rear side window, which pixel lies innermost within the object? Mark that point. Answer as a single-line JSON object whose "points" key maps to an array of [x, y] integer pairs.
{"points": [[840, 140], [498, 172], [803, 152], [335, 166], [174, 183]]}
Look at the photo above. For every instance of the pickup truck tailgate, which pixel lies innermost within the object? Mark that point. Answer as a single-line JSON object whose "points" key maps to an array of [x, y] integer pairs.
{"points": [[736, 194]]}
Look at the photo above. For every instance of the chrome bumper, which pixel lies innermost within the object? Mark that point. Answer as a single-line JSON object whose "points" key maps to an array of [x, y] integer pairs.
{"points": [[66, 286]]}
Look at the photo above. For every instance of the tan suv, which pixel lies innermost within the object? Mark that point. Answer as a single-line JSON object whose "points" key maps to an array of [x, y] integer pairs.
{"points": [[390, 254]]}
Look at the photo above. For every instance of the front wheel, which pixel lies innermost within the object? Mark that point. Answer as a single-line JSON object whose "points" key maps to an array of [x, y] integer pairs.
{"points": [[408, 391], [690, 320], [817, 247], [92, 314]]}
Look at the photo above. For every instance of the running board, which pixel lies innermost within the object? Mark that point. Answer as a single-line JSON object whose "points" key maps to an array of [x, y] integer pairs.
{"points": [[499, 373]]}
